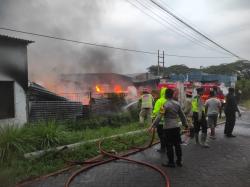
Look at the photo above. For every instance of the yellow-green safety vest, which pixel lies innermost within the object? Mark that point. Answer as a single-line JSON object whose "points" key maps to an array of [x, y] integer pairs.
{"points": [[195, 105], [146, 101]]}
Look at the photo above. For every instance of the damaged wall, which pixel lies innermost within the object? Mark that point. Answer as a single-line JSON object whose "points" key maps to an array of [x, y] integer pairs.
{"points": [[13, 67]]}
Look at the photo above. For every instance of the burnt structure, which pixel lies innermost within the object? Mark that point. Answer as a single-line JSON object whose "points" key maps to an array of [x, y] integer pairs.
{"points": [[13, 80], [90, 80], [45, 105]]}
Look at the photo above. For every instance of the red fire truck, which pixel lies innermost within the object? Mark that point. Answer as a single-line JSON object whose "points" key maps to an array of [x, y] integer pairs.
{"points": [[215, 87]]}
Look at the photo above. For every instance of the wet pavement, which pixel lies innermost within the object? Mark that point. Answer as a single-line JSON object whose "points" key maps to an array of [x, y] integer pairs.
{"points": [[225, 163]]}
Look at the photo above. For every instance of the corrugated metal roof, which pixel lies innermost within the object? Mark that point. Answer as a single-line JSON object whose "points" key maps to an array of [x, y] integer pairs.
{"points": [[5, 37]]}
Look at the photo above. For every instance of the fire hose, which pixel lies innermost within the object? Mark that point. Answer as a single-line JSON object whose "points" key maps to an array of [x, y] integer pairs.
{"points": [[99, 160], [122, 157]]}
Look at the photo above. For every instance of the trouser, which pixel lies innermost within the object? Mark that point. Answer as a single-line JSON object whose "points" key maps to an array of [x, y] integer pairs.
{"points": [[230, 122], [202, 123], [221, 109], [161, 136], [145, 114], [191, 127], [212, 122], [173, 141]]}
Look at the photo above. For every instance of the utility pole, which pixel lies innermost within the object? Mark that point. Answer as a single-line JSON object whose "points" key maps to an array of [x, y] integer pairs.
{"points": [[161, 60]]}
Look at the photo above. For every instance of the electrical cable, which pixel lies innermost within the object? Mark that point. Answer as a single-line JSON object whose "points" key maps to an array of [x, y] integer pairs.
{"points": [[174, 29], [186, 30], [192, 28], [105, 46], [181, 31], [80, 42]]}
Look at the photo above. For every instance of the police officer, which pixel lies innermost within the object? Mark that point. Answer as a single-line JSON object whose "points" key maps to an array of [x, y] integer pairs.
{"points": [[158, 105], [199, 118], [171, 129]]}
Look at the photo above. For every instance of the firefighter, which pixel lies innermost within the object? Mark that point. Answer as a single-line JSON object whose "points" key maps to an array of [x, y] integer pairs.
{"points": [[171, 129], [146, 105], [158, 105], [230, 109], [199, 118]]}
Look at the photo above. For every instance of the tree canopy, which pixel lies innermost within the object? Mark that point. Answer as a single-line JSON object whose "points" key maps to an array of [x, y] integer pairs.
{"points": [[241, 68]]}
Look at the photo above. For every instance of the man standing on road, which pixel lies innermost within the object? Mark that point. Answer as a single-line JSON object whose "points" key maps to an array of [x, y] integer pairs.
{"points": [[171, 129], [199, 118], [212, 109], [230, 109]]}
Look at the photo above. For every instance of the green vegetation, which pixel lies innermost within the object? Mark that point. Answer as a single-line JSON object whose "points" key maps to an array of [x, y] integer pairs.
{"points": [[244, 86], [246, 104], [176, 69], [241, 68], [14, 142]]}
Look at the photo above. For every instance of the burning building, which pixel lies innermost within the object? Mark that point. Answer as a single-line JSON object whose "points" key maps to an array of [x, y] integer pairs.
{"points": [[13, 80], [100, 92], [82, 87]]}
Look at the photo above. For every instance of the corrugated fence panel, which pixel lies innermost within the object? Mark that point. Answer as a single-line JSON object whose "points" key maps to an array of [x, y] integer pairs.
{"points": [[55, 110]]}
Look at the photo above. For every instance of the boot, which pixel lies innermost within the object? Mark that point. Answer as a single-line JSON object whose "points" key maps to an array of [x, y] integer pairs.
{"points": [[196, 135], [203, 140]]}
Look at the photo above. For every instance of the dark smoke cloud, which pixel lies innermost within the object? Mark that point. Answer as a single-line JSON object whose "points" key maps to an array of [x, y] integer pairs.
{"points": [[78, 20]]}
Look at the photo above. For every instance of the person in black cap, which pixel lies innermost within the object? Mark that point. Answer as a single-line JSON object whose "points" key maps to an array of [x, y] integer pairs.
{"points": [[230, 109]]}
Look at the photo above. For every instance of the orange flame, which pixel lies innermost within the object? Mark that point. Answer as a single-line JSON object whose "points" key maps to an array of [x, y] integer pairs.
{"points": [[117, 89], [98, 89]]}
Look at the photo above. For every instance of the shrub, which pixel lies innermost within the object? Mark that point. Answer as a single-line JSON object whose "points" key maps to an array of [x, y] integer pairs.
{"points": [[12, 142], [46, 134], [94, 122]]}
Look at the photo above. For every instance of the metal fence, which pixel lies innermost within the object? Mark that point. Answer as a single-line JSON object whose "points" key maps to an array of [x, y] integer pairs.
{"points": [[55, 110]]}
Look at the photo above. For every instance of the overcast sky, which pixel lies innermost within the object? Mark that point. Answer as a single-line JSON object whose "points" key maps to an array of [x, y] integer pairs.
{"points": [[118, 23]]}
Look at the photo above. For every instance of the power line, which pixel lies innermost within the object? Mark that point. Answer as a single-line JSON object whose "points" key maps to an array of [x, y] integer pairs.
{"points": [[176, 30], [180, 31], [187, 30], [186, 56], [80, 42], [106, 46], [192, 28]]}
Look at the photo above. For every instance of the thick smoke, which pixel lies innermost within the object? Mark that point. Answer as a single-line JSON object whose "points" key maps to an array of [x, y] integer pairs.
{"points": [[76, 20]]}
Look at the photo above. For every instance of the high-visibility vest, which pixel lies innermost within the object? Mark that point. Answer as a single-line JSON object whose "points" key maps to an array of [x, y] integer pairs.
{"points": [[195, 105], [146, 101], [159, 103]]}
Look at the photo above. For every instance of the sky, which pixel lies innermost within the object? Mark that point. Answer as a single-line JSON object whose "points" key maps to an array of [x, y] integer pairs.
{"points": [[121, 24]]}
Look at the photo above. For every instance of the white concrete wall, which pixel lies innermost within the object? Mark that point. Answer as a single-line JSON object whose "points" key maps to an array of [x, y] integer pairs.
{"points": [[20, 105]]}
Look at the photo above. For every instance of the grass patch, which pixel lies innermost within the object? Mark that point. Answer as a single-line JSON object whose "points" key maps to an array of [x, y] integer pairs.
{"points": [[14, 142], [21, 169], [246, 103]]}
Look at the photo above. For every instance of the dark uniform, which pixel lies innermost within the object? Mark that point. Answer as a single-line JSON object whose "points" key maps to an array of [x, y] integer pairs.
{"points": [[230, 109]]}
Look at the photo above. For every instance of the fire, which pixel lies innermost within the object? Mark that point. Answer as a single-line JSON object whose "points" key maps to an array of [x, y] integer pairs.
{"points": [[117, 89], [98, 89]]}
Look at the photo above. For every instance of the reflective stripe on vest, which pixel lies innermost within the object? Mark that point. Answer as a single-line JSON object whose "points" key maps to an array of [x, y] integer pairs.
{"points": [[146, 101]]}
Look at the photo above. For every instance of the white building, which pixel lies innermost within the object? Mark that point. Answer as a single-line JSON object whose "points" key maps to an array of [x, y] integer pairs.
{"points": [[13, 80]]}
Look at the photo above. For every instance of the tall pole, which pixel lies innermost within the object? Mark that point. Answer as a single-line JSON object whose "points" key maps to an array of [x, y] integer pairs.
{"points": [[163, 61], [158, 68]]}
